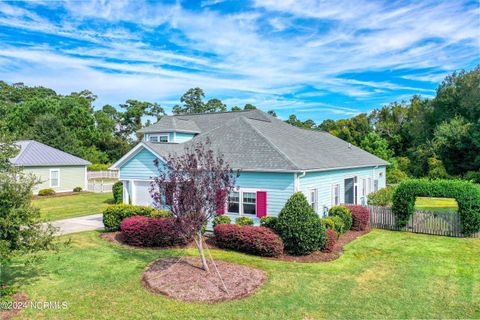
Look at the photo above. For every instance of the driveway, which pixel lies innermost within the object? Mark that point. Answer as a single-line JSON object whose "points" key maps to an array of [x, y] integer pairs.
{"points": [[86, 223]]}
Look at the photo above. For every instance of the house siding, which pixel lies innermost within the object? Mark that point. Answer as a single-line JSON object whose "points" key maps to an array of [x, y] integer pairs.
{"points": [[183, 137], [325, 180], [70, 177], [140, 167]]}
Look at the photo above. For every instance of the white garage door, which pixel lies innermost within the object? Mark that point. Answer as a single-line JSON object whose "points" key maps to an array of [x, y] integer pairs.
{"points": [[142, 196]]}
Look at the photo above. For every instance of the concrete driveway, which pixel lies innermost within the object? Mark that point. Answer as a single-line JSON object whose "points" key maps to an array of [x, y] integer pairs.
{"points": [[86, 223]]}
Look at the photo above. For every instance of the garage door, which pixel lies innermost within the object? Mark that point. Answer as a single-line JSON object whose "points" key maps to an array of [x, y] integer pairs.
{"points": [[142, 196]]}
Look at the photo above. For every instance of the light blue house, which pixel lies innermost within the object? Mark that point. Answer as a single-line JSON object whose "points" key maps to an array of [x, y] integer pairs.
{"points": [[275, 159]]}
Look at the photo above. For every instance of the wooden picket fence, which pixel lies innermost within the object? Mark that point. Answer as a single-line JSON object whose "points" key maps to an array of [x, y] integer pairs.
{"points": [[428, 222], [110, 174]]}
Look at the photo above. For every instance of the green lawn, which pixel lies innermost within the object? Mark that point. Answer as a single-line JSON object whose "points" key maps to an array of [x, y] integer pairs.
{"points": [[384, 274], [82, 204], [436, 204]]}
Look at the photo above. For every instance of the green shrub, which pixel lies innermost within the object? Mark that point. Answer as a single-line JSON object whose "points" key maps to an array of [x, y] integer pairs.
{"points": [[46, 192], [221, 220], [113, 215], [161, 214], [466, 194], [244, 221], [300, 227], [338, 225], [77, 189], [382, 197], [344, 214], [473, 176], [117, 190], [98, 167], [328, 223], [269, 222]]}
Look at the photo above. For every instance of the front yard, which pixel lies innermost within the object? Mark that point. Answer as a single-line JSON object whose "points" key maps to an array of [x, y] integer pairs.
{"points": [[76, 205], [383, 274]]}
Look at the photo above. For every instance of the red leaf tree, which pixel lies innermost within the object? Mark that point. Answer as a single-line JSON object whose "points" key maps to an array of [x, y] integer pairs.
{"points": [[193, 184]]}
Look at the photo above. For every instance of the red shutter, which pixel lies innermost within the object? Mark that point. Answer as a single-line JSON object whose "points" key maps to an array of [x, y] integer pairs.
{"points": [[221, 197], [261, 204]]}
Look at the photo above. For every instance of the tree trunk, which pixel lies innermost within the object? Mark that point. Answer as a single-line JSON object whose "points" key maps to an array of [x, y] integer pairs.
{"points": [[199, 243]]}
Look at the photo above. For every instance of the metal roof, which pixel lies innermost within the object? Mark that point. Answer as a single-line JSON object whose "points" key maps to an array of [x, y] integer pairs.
{"points": [[34, 153]]}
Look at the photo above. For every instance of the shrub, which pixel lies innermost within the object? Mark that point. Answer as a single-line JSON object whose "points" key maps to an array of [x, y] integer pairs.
{"points": [[269, 222], [343, 213], [382, 197], [360, 216], [113, 215], [300, 227], [466, 194], [221, 220], [46, 192], [117, 190], [259, 241], [161, 214], [331, 241], [77, 189], [473, 176], [328, 223], [244, 221], [338, 225], [153, 232]]}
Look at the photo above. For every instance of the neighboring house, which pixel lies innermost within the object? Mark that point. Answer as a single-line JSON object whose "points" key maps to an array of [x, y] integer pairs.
{"points": [[55, 169], [275, 159]]}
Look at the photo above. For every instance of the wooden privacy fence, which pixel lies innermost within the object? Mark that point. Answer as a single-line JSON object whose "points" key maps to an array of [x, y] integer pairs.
{"points": [[100, 186], [110, 174], [428, 222]]}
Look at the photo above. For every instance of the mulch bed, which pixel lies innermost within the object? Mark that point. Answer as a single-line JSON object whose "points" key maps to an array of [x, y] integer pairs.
{"points": [[319, 256], [117, 238], [21, 300], [184, 279]]}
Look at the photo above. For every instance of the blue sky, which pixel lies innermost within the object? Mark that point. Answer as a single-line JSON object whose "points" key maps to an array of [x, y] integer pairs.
{"points": [[318, 59]]}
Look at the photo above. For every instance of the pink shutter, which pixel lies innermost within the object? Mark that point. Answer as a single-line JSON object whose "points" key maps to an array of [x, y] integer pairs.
{"points": [[261, 204], [221, 197]]}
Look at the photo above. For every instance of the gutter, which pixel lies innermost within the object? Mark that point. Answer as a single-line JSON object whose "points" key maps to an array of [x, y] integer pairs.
{"points": [[296, 182]]}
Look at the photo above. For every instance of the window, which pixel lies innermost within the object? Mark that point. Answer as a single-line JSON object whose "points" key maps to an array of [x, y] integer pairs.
{"points": [[312, 199], [242, 202], [249, 202], [234, 202], [375, 185], [336, 194], [158, 138], [349, 190], [54, 177]]}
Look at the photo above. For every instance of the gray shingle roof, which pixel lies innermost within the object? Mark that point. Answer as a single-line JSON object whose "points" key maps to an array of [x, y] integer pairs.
{"points": [[254, 140], [34, 153], [170, 123]]}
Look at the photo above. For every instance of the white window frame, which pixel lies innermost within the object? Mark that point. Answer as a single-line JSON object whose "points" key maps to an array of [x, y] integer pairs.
{"points": [[356, 179], [240, 202], [314, 203], [58, 178], [159, 137], [334, 186]]}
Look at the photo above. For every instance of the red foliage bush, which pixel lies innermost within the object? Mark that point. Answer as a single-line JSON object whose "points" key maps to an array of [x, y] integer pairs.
{"points": [[361, 217], [331, 241], [153, 232], [259, 241]]}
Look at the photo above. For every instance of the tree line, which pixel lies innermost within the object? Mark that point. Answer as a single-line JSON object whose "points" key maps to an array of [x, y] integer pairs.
{"points": [[437, 138]]}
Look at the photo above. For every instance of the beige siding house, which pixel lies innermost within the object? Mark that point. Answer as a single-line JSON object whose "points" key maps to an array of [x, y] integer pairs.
{"points": [[54, 168]]}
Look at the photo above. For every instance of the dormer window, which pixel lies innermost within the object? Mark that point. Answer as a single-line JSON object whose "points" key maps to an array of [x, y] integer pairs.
{"points": [[158, 138]]}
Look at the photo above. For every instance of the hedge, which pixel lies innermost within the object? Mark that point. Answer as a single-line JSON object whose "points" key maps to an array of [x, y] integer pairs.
{"points": [[46, 192], [331, 241], [221, 220], [300, 227], [153, 232], [382, 197], [259, 241], [244, 221], [465, 193], [360, 216], [117, 190], [114, 215], [344, 213], [269, 222]]}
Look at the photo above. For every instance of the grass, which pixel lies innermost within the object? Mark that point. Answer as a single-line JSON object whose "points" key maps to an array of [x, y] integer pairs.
{"points": [[385, 274], [436, 204], [82, 204]]}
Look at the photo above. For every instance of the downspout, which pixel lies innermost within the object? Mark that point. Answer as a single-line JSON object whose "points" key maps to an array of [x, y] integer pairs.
{"points": [[296, 185]]}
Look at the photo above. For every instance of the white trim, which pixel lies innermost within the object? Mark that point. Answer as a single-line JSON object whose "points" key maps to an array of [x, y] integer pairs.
{"points": [[158, 136], [50, 178], [174, 136], [86, 179], [132, 191], [130, 154], [315, 196]]}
